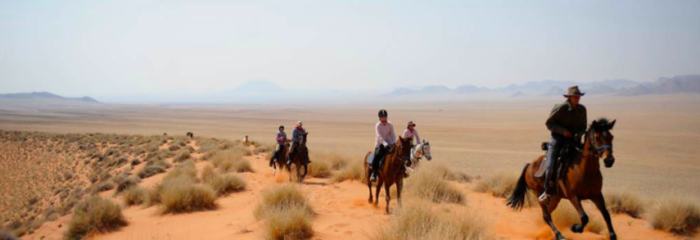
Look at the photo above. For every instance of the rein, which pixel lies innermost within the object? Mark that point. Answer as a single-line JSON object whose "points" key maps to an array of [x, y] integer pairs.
{"points": [[597, 150]]}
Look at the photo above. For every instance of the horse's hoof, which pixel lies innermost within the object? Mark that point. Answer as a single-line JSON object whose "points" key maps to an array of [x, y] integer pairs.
{"points": [[560, 237], [613, 236], [577, 228]]}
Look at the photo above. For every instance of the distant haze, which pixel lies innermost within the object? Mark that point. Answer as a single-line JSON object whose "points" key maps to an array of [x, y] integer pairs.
{"points": [[204, 51]]}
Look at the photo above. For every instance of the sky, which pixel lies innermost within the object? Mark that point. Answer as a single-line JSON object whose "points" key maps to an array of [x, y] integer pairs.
{"points": [[132, 49]]}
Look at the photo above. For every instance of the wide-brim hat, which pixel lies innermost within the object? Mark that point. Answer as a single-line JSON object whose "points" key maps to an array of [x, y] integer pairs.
{"points": [[411, 123], [573, 92]]}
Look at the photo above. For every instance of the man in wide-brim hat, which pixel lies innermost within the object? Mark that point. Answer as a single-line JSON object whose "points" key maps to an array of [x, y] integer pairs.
{"points": [[567, 121]]}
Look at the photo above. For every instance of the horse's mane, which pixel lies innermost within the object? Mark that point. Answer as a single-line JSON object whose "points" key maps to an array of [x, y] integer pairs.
{"points": [[602, 124]]}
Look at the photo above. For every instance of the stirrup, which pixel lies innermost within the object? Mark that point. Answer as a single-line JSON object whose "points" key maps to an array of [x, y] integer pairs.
{"points": [[373, 178], [544, 198]]}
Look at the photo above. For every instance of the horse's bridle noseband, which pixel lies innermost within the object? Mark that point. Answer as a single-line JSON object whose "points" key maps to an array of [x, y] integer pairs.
{"points": [[594, 146]]}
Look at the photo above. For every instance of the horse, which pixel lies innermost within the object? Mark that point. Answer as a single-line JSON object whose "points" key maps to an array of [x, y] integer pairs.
{"points": [[281, 157], [583, 180], [299, 156], [417, 153], [391, 172]]}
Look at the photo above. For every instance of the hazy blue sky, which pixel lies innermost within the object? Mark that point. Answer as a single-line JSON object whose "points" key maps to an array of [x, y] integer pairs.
{"points": [[131, 48]]}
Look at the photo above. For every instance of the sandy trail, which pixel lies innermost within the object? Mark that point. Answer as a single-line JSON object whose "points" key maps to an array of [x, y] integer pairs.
{"points": [[342, 212]]}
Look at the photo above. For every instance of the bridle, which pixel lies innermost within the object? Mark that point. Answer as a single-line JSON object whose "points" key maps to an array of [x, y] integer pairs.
{"points": [[594, 147]]}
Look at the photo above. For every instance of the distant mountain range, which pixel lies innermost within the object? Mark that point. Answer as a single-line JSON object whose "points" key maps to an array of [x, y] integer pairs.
{"points": [[45, 95], [618, 87]]}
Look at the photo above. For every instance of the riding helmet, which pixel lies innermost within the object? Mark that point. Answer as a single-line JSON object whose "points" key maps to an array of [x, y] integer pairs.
{"points": [[383, 113]]}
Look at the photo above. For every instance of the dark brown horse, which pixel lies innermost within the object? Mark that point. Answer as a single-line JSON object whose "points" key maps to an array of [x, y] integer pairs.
{"points": [[300, 158], [391, 172], [583, 180], [281, 161]]}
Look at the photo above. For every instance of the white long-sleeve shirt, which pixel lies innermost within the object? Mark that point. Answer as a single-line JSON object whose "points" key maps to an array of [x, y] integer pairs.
{"points": [[411, 134], [385, 134]]}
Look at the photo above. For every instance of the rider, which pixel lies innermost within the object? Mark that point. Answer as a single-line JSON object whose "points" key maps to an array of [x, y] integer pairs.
{"points": [[298, 132], [567, 122], [281, 140], [385, 138], [411, 132]]}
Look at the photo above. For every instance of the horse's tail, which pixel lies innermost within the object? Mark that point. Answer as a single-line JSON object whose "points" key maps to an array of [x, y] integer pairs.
{"points": [[517, 198]]}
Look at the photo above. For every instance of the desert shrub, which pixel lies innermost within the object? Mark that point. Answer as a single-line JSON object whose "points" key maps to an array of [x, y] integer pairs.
{"points": [[625, 203], [231, 160], [292, 223], [105, 186], [179, 196], [262, 148], [174, 148], [417, 221], [135, 162], [152, 168], [7, 235], [208, 174], [287, 213], [183, 170], [320, 169], [448, 174], [126, 183], [499, 185], [95, 215], [285, 196], [334, 160], [225, 184], [182, 155], [677, 215], [135, 196], [153, 196], [352, 171], [430, 185]]}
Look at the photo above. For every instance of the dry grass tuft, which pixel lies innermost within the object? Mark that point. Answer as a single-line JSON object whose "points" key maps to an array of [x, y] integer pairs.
{"points": [[678, 216], [625, 203], [429, 184], [232, 160], [95, 215], [124, 183], [181, 194], [417, 221], [281, 197], [334, 160], [449, 174], [208, 174], [225, 184], [319, 169], [499, 185], [7, 235], [352, 171], [287, 212], [152, 168], [186, 170], [135, 196]]}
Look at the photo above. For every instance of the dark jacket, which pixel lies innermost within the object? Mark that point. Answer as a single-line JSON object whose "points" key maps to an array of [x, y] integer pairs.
{"points": [[565, 118]]}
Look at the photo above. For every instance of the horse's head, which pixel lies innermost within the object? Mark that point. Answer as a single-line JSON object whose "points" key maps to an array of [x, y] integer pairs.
{"points": [[303, 139], [601, 140], [426, 150], [403, 146]]}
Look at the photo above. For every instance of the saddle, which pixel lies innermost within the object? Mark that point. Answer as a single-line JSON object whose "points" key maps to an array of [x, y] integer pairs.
{"points": [[371, 159], [568, 151]]}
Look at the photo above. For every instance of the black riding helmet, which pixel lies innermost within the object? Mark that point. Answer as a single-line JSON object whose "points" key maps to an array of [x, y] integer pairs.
{"points": [[383, 113]]}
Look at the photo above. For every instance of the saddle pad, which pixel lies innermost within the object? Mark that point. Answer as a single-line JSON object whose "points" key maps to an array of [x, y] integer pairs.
{"points": [[542, 168], [370, 159]]}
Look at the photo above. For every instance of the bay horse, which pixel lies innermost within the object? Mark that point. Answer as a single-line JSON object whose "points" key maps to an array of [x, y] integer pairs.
{"points": [[300, 158], [583, 180], [281, 159], [391, 172]]}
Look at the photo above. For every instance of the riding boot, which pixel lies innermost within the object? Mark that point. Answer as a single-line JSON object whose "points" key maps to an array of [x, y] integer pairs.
{"points": [[378, 155], [552, 157]]}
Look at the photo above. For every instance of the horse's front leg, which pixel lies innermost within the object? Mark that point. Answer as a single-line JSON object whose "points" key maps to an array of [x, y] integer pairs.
{"points": [[380, 182], [600, 204], [387, 189], [578, 228], [399, 187]]}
